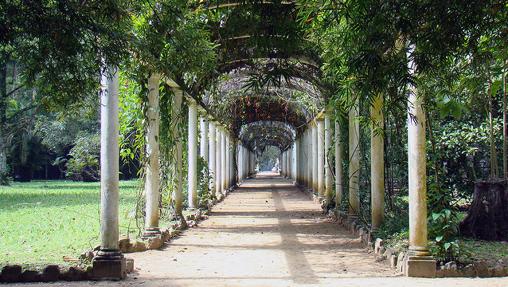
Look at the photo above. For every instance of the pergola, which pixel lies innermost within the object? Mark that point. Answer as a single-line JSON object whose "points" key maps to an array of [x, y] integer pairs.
{"points": [[269, 92]]}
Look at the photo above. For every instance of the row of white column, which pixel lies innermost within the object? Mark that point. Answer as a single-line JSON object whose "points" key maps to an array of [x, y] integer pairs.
{"points": [[288, 162], [217, 148], [317, 171], [246, 162]]}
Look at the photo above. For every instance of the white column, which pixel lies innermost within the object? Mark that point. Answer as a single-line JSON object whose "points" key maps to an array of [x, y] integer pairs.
{"points": [[246, 163], [310, 164], [218, 164], [283, 164], [303, 162], [109, 263], [249, 162], [226, 163], [212, 144], [377, 167], [315, 157], [354, 161], [178, 194], [289, 156], [203, 147], [232, 159], [321, 157], [305, 159], [338, 167], [192, 143], [239, 162], [231, 162], [286, 161], [152, 168], [419, 263], [252, 163], [294, 158], [417, 173], [297, 161], [255, 160], [286, 169], [223, 161], [244, 159], [328, 168], [109, 165]]}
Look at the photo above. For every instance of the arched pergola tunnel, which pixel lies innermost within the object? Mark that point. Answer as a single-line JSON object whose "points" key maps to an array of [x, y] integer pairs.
{"points": [[243, 117], [305, 158]]}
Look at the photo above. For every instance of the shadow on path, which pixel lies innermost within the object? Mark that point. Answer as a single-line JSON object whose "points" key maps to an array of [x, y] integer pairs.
{"points": [[265, 233]]}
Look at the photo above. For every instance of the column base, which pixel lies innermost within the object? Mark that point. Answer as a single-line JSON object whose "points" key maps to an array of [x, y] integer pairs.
{"points": [[420, 266], [151, 232], [109, 265]]}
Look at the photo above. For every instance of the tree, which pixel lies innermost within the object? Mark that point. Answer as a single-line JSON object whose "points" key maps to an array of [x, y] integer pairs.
{"points": [[61, 47]]}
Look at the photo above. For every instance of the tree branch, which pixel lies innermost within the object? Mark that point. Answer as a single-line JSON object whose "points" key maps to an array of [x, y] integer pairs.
{"points": [[15, 90]]}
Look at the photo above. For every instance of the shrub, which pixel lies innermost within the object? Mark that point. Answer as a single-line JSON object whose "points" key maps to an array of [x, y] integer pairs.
{"points": [[83, 164], [204, 180]]}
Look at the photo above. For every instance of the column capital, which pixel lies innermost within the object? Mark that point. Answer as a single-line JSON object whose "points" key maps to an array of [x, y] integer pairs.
{"points": [[190, 100], [320, 117], [154, 77]]}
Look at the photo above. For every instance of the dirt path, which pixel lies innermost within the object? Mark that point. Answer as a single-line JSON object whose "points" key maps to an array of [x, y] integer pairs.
{"points": [[266, 230], [268, 233]]}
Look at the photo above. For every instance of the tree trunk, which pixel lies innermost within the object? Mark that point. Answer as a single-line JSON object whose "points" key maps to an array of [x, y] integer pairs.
{"points": [[487, 218], [4, 172], [505, 128], [493, 154]]}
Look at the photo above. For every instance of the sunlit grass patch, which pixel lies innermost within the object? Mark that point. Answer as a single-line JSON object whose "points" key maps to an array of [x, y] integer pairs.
{"points": [[42, 221]]}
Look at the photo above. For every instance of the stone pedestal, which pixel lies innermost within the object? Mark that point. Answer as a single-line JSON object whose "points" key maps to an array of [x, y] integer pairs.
{"points": [[109, 265], [420, 266], [151, 232]]}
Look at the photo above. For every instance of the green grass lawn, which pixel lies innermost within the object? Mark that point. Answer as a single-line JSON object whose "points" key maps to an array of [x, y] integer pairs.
{"points": [[42, 221], [479, 250]]}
